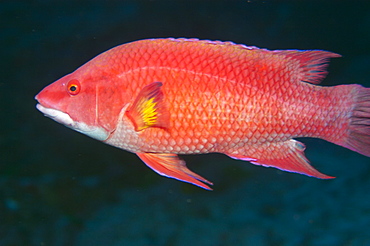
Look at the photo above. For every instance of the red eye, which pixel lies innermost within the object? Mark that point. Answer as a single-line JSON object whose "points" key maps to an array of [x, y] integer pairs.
{"points": [[73, 87]]}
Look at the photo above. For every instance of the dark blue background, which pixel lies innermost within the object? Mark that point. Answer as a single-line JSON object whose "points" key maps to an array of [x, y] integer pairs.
{"points": [[58, 187]]}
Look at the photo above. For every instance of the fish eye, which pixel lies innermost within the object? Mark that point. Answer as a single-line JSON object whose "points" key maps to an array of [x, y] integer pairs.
{"points": [[73, 87]]}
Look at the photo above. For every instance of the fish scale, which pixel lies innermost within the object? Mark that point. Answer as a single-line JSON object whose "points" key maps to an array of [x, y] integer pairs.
{"points": [[162, 97]]}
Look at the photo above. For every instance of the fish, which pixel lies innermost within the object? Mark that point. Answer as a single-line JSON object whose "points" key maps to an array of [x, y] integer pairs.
{"points": [[160, 98]]}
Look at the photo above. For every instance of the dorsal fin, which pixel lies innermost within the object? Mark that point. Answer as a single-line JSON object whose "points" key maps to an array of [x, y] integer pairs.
{"points": [[312, 63]]}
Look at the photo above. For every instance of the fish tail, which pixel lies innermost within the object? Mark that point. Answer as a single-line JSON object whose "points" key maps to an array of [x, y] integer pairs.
{"points": [[358, 138]]}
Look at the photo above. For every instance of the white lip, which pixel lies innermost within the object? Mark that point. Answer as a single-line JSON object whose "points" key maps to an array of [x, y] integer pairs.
{"points": [[98, 133], [56, 115]]}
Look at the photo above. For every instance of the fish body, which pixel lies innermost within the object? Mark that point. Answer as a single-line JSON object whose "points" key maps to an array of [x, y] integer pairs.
{"points": [[162, 97]]}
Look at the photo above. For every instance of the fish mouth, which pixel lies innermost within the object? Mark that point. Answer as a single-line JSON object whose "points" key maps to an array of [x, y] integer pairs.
{"points": [[96, 132], [56, 115]]}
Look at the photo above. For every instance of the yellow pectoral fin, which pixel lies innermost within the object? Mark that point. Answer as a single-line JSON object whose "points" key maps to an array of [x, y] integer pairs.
{"points": [[149, 110]]}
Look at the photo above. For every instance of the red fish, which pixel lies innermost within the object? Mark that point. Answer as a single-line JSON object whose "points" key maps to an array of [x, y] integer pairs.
{"points": [[162, 97]]}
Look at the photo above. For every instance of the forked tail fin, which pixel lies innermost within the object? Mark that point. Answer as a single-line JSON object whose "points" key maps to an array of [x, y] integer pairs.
{"points": [[359, 129]]}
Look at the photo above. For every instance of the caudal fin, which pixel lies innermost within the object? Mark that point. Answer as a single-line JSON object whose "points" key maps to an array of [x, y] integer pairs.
{"points": [[359, 129]]}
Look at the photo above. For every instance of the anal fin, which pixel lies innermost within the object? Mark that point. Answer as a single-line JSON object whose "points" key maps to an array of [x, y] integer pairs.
{"points": [[171, 166], [287, 156]]}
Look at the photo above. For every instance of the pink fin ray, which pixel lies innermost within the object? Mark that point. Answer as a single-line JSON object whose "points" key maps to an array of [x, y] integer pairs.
{"points": [[287, 156], [171, 166], [359, 128], [312, 63]]}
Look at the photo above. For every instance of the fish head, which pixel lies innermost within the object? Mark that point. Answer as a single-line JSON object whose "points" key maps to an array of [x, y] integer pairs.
{"points": [[73, 101]]}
